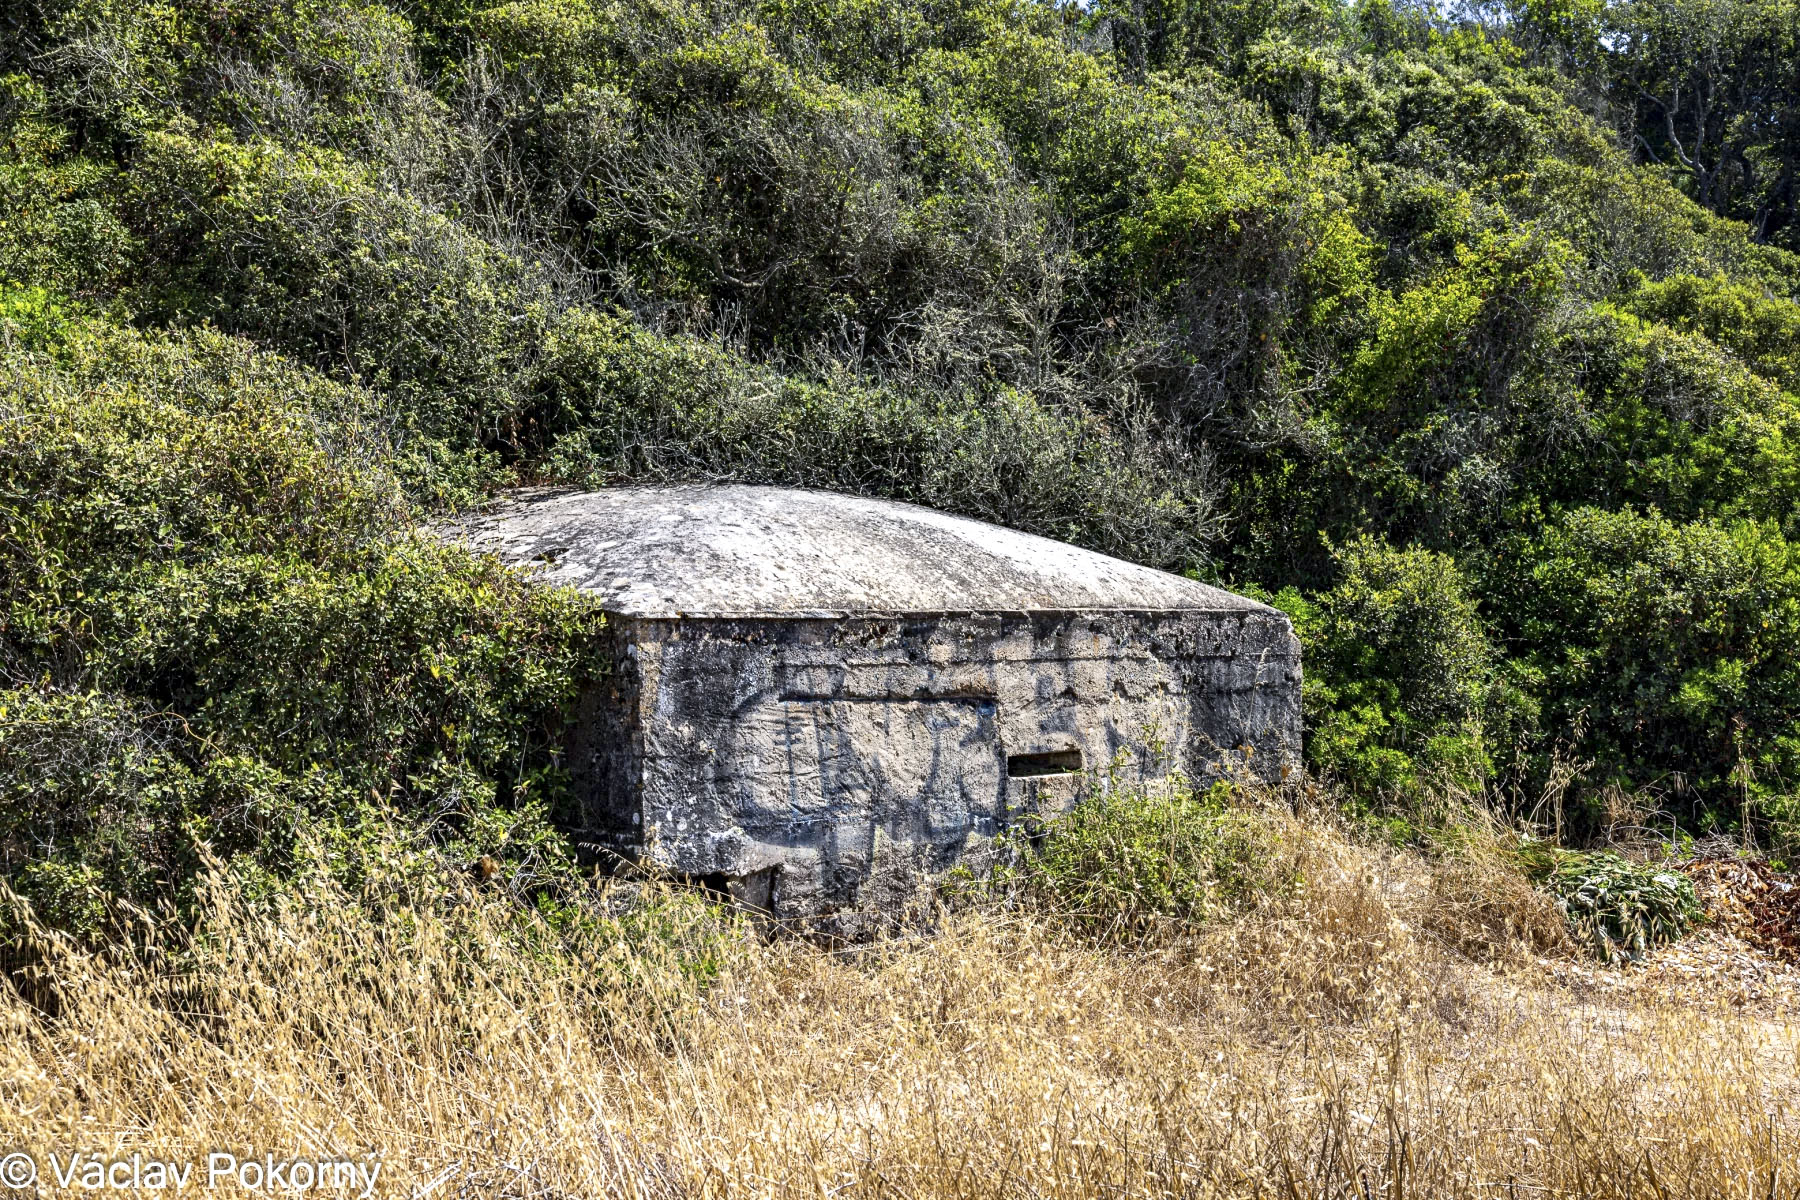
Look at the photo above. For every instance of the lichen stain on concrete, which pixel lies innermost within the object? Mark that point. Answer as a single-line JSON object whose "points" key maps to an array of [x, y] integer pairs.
{"points": [[817, 697]]}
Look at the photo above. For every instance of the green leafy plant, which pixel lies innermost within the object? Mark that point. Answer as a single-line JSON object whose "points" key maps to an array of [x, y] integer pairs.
{"points": [[1675, 640], [1618, 908], [1138, 862]]}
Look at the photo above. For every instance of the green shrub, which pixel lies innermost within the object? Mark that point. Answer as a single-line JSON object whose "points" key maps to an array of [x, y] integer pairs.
{"points": [[1619, 909], [219, 627], [1256, 254], [1761, 329], [306, 252], [56, 231], [1644, 414], [1403, 692], [1137, 863], [616, 403], [1672, 645]]}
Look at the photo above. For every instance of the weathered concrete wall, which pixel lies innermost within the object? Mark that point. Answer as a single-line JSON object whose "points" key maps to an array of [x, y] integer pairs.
{"points": [[821, 696], [825, 763]]}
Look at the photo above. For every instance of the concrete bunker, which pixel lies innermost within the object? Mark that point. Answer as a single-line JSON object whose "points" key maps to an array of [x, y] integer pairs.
{"points": [[817, 698]]}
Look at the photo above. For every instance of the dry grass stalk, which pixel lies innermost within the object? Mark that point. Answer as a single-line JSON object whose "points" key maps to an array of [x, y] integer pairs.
{"points": [[1336, 1044]]}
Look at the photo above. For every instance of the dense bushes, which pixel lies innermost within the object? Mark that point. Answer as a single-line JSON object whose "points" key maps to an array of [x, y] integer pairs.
{"points": [[304, 251], [1403, 692], [1671, 647], [615, 402], [219, 626]]}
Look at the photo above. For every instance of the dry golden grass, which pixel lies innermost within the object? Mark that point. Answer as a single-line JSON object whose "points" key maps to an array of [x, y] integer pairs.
{"points": [[1340, 1043]]}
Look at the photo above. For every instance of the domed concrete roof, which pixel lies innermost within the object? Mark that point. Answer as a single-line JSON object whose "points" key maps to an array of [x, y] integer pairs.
{"points": [[740, 551]]}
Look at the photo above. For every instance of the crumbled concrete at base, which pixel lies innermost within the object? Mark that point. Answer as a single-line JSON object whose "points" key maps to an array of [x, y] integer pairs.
{"points": [[763, 730]]}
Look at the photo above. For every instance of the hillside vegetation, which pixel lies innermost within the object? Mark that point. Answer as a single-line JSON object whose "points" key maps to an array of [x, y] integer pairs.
{"points": [[1469, 338], [1467, 335]]}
